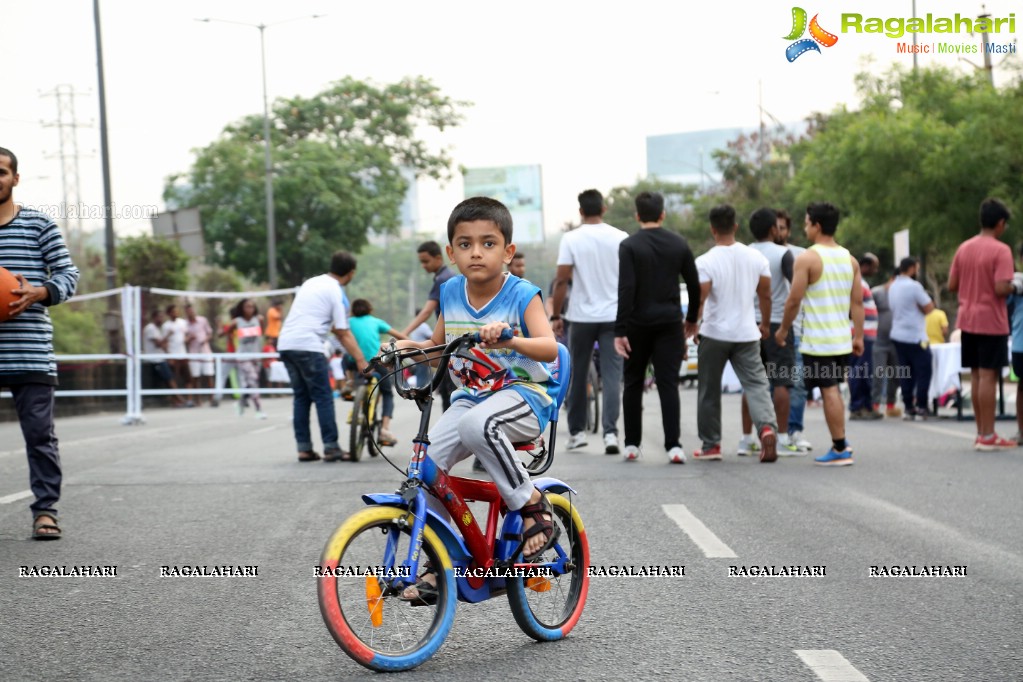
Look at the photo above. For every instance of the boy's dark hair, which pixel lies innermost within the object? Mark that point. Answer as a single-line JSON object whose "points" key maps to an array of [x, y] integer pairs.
{"points": [[481, 208], [154, 312], [991, 211], [361, 307], [825, 215], [591, 203], [431, 247], [169, 308], [518, 256], [907, 264], [784, 215], [722, 218], [649, 207], [4, 151], [341, 263], [761, 222]]}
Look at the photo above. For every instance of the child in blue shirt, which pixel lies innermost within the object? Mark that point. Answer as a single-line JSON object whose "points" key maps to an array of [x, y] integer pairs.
{"points": [[506, 394], [1015, 304], [367, 330]]}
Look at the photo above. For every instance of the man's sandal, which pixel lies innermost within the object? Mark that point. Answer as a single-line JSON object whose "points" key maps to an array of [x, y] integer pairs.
{"points": [[44, 527], [542, 514], [308, 456]]}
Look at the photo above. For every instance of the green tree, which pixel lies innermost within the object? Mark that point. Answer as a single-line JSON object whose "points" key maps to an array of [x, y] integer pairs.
{"points": [[340, 165], [923, 151]]}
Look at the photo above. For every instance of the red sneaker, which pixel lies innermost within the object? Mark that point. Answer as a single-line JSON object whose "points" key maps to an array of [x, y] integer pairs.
{"points": [[768, 445], [992, 443], [711, 453]]}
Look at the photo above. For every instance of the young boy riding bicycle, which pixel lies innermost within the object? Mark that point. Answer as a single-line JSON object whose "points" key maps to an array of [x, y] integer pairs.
{"points": [[506, 394]]}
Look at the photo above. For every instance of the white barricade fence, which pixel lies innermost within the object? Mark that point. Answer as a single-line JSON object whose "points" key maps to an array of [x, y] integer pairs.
{"points": [[132, 323]]}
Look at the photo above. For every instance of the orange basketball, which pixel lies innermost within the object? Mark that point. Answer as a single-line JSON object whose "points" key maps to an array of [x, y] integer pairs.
{"points": [[7, 282]]}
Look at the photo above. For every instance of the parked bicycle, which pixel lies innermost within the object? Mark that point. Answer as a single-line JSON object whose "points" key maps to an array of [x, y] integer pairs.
{"points": [[377, 553], [365, 418]]}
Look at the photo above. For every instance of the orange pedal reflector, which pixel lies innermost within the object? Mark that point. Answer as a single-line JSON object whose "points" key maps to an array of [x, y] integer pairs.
{"points": [[538, 583], [374, 603]]}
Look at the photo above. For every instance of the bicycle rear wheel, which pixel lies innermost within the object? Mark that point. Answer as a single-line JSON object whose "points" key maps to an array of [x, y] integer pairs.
{"points": [[368, 620], [548, 608], [593, 400], [357, 432], [375, 423]]}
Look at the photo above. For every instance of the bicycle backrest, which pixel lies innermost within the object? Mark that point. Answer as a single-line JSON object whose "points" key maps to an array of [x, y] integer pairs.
{"points": [[561, 369]]}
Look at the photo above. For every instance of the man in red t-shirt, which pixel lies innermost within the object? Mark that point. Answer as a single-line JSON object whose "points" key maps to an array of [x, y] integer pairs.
{"points": [[982, 273]]}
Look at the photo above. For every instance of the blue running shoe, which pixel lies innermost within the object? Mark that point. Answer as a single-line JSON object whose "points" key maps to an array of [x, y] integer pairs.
{"points": [[835, 459]]}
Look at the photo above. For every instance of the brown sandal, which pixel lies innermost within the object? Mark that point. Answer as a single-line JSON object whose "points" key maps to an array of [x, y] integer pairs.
{"points": [[542, 514], [308, 456], [40, 527]]}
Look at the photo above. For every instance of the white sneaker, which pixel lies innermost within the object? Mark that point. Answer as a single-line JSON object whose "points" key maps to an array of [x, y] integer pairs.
{"points": [[748, 446], [796, 437], [632, 453], [261, 415], [610, 444], [677, 455], [577, 440], [788, 448], [239, 409]]}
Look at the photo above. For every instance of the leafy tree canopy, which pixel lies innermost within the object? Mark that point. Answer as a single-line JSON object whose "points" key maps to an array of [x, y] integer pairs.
{"points": [[338, 165]]}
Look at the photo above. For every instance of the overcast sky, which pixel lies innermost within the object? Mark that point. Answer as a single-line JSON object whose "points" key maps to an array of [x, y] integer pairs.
{"points": [[574, 86]]}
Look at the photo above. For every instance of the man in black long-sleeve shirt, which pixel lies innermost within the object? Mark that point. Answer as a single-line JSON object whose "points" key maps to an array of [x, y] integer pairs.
{"points": [[649, 324]]}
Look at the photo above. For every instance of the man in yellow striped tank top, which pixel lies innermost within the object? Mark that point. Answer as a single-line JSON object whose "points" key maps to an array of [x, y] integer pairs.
{"points": [[826, 281]]}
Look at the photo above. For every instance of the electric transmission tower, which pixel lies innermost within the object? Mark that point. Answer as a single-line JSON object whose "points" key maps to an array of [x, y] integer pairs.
{"points": [[67, 126]]}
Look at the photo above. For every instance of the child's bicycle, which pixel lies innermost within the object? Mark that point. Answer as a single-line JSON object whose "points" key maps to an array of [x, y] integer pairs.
{"points": [[365, 418], [377, 553]]}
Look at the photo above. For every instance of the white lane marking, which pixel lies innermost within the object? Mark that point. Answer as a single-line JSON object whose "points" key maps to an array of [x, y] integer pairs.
{"points": [[944, 432], [263, 430], [931, 529], [7, 499], [830, 666], [697, 532], [129, 432]]}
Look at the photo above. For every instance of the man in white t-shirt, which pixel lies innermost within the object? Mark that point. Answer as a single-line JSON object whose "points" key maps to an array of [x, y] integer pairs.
{"points": [[588, 258], [730, 275], [175, 329], [318, 310]]}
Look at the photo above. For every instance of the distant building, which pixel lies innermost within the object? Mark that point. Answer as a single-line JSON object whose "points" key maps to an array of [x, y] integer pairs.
{"points": [[686, 157]]}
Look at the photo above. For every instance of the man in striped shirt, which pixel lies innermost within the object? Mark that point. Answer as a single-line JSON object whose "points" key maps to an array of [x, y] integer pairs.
{"points": [[33, 250], [828, 278]]}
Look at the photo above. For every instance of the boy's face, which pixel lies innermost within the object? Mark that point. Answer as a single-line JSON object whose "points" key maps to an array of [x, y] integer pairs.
{"points": [[781, 232], [517, 267], [8, 179], [479, 251]]}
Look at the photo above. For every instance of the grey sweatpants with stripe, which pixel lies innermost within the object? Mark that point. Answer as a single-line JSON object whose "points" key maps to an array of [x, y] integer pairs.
{"points": [[487, 430]]}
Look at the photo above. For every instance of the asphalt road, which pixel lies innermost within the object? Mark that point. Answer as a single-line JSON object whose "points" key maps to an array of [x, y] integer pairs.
{"points": [[206, 487]]}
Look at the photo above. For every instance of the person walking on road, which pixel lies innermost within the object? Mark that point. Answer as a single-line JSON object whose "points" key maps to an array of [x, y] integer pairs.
{"points": [[826, 283], [432, 259], [318, 310], [32, 249], [588, 258], [982, 275], [780, 362], [731, 276], [910, 303], [797, 394], [648, 326], [861, 375], [885, 359]]}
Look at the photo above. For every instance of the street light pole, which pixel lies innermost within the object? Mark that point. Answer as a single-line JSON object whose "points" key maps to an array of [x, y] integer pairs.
{"points": [[271, 225]]}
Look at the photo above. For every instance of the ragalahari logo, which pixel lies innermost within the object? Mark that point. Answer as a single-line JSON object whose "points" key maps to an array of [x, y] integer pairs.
{"points": [[818, 35]]}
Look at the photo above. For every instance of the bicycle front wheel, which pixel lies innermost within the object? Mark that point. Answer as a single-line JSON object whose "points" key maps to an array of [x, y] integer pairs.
{"points": [[357, 429], [369, 620], [547, 608]]}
